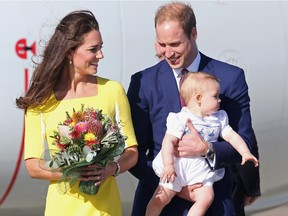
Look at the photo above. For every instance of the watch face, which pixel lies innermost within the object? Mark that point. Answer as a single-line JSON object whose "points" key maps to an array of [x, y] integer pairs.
{"points": [[210, 154], [210, 151]]}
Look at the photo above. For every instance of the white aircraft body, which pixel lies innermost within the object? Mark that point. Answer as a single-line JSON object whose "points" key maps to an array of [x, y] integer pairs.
{"points": [[252, 35]]}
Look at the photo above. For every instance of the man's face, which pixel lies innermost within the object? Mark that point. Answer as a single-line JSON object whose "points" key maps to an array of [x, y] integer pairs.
{"points": [[174, 45]]}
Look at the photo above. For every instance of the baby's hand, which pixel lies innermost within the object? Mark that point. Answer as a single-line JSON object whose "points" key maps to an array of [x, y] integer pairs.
{"points": [[168, 174], [247, 156]]}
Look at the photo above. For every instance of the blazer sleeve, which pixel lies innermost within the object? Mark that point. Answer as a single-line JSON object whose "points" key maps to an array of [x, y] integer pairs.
{"points": [[235, 101], [143, 130]]}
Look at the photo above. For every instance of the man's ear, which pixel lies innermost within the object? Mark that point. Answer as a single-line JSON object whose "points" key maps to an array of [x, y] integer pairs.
{"points": [[194, 33]]}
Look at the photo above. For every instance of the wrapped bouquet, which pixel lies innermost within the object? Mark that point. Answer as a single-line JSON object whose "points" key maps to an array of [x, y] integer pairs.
{"points": [[85, 137]]}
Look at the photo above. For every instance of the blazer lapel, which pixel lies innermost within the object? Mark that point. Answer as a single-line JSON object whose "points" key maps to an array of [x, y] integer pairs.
{"points": [[169, 87], [206, 64]]}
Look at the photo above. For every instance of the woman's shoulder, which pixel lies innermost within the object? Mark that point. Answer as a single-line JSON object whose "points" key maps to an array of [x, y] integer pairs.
{"points": [[109, 84]]}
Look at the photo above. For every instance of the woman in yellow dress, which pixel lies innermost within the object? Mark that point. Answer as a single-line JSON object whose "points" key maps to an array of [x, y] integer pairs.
{"points": [[63, 80]]}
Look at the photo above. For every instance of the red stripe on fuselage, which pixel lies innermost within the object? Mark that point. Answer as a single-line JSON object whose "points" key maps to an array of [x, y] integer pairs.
{"points": [[16, 171]]}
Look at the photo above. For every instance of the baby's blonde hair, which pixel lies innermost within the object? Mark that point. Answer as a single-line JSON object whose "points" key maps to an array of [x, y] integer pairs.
{"points": [[195, 83]]}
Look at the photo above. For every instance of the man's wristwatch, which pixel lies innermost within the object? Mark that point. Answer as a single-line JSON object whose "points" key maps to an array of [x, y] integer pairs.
{"points": [[117, 172], [210, 151]]}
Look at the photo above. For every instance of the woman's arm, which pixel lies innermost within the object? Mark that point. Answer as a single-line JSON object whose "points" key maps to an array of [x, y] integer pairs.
{"points": [[35, 171], [127, 160]]}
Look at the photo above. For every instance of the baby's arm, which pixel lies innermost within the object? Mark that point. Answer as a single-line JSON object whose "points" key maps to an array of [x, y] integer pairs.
{"points": [[239, 144], [168, 173]]}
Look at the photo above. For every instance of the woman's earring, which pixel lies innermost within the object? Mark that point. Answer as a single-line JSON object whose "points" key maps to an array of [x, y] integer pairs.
{"points": [[70, 61]]}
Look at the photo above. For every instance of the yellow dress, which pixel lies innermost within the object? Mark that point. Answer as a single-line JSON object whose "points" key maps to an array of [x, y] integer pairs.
{"points": [[107, 201]]}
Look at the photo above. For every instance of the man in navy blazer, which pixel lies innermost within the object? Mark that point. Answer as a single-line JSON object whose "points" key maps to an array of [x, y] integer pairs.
{"points": [[154, 92]]}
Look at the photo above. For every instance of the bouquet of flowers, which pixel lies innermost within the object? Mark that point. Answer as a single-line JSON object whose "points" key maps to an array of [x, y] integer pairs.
{"points": [[85, 137]]}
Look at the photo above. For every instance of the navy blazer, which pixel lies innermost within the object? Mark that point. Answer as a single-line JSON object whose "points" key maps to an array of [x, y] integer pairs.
{"points": [[153, 93]]}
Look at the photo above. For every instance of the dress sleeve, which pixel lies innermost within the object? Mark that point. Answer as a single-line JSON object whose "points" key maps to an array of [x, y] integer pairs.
{"points": [[33, 135], [123, 115]]}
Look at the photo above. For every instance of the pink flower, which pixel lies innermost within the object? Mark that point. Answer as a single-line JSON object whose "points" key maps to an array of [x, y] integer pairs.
{"points": [[64, 131], [95, 127], [81, 127]]}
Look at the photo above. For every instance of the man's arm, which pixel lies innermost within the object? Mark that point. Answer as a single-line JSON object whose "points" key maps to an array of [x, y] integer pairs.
{"points": [[140, 124], [143, 131], [236, 102]]}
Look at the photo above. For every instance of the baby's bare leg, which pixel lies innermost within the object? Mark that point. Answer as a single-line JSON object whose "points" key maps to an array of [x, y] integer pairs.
{"points": [[203, 199], [161, 197]]}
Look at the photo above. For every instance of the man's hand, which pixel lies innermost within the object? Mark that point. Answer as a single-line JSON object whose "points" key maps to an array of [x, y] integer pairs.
{"points": [[191, 144], [249, 200], [187, 192]]}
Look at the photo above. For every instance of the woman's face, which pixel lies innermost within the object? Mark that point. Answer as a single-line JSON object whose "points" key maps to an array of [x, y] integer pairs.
{"points": [[86, 57]]}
